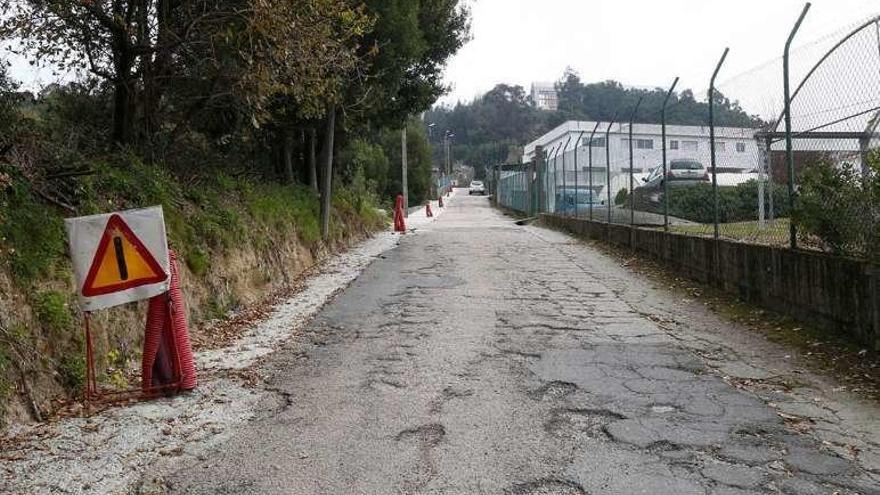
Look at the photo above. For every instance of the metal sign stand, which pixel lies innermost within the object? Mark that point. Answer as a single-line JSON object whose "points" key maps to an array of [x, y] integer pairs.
{"points": [[94, 395]]}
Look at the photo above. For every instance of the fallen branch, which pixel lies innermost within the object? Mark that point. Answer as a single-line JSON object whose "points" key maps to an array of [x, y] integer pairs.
{"points": [[54, 200], [71, 173]]}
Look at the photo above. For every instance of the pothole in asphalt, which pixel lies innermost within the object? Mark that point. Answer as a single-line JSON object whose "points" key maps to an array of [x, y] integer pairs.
{"points": [[574, 423], [553, 390], [448, 394], [430, 434], [661, 446], [385, 385], [523, 354], [547, 487]]}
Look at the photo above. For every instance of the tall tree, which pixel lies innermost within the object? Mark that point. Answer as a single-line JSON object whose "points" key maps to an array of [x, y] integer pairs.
{"points": [[233, 57], [408, 49]]}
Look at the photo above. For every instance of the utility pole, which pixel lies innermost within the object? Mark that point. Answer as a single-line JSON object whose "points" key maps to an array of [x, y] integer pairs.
{"points": [[447, 136], [403, 171], [327, 177]]}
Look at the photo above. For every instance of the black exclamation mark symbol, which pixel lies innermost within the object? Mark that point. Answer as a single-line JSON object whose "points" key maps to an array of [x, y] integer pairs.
{"points": [[120, 258]]}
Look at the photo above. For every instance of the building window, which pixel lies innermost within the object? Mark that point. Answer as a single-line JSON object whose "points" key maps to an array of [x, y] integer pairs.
{"points": [[640, 144], [689, 145], [598, 142], [720, 146], [740, 147], [673, 144]]}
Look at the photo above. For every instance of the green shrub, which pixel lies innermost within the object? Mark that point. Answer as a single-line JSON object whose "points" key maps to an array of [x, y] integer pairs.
{"points": [[279, 208], [840, 207], [52, 310], [127, 182], [696, 203], [31, 233], [198, 261], [72, 370], [621, 197], [217, 227]]}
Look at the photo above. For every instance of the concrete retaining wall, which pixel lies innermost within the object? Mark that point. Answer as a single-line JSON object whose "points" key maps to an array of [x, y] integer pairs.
{"points": [[831, 291]]}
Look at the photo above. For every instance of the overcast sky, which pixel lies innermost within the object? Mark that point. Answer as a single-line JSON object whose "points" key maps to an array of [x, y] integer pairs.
{"points": [[637, 42]]}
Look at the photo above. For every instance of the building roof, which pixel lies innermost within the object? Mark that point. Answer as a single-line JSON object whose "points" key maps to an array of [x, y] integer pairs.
{"points": [[576, 127]]}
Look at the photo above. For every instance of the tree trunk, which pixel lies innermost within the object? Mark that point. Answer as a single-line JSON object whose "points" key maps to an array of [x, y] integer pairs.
{"points": [[123, 91], [313, 168], [123, 115], [327, 174], [288, 157], [147, 98]]}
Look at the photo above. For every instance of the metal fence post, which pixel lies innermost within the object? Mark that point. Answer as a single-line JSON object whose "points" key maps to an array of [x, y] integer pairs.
{"points": [[540, 163], [590, 167], [564, 185], [576, 168], [555, 177], [762, 186], [564, 192], [608, 165], [771, 214], [663, 135], [789, 151], [632, 189], [712, 140]]}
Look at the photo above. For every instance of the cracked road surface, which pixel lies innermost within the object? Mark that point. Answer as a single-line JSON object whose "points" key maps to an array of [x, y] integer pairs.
{"points": [[482, 357]]}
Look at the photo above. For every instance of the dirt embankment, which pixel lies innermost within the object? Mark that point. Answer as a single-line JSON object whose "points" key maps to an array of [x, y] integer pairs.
{"points": [[262, 243]]}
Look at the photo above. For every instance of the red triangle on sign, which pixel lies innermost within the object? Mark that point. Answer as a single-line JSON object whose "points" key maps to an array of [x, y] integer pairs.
{"points": [[121, 262]]}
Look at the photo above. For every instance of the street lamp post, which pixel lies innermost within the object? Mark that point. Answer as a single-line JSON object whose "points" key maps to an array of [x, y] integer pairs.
{"points": [[447, 137], [430, 127]]}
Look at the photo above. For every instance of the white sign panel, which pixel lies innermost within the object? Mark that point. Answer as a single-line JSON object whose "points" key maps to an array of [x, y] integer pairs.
{"points": [[119, 257]]}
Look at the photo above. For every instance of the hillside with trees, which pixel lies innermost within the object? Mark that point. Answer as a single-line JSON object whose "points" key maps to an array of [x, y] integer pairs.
{"points": [[493, 128], [268, 131]]}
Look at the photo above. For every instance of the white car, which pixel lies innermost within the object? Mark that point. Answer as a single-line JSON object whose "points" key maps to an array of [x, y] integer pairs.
{"points": [[477, 187], [681, 172]]}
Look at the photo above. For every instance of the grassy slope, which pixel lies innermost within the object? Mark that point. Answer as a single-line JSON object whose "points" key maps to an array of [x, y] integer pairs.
{"points": [[237, 237]]}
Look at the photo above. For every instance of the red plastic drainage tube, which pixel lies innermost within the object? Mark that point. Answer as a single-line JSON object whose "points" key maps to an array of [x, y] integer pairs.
{"points": [[181, 329], [168, 358], [399, 221], [154, 342]]}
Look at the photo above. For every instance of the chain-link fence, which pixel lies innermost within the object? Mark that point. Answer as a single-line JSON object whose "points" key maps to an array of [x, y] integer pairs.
{"points": [[513, 188], [809, 181]]}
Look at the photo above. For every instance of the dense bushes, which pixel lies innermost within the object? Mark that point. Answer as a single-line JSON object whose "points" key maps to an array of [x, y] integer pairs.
{"points": [[840, 208], [696, 203], [375, 161]]}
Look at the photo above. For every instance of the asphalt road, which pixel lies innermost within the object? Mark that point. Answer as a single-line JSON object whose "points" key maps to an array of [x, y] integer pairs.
{"points": [[482, 357]]}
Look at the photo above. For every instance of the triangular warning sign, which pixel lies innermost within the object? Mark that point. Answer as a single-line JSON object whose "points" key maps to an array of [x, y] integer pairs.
{"points": [[121, 262]]}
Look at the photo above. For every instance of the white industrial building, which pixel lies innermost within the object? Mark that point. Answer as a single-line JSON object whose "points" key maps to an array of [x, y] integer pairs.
{"points": [[736, 147], [737, 152]]}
